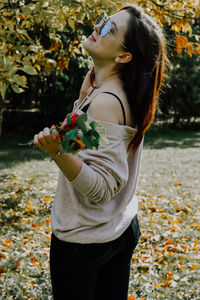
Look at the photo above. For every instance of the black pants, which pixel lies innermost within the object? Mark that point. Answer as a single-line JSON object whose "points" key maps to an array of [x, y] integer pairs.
{"points": [[93, 271]]}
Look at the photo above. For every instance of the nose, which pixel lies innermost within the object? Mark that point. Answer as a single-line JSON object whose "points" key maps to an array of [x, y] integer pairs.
{"points": [[97, 27]]}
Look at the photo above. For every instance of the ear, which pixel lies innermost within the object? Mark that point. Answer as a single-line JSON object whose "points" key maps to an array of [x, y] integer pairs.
{"points": [[124, 58]]}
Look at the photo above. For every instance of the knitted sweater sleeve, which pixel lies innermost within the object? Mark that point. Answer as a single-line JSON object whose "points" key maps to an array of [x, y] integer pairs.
{"points": [[103, 174]]}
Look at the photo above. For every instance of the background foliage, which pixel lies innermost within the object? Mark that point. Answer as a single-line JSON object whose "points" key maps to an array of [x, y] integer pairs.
{"points": [[44, 39]]}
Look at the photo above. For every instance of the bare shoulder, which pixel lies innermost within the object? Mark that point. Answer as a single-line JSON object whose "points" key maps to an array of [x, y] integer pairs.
{"points": [[105, 107]]}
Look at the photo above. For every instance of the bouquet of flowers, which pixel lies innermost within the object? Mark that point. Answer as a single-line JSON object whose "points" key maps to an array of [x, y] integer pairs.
{"points": [[75, 133]]}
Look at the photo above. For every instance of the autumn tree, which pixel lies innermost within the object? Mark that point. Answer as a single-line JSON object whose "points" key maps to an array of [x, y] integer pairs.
{"points": [[38, 37]]}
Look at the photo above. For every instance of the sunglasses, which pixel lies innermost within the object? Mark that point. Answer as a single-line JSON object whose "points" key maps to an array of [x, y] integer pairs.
{"points": [[106, 27]]}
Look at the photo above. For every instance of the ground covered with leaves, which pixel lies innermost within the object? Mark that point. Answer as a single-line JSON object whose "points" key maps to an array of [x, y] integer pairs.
{"points": [[166, 262]]}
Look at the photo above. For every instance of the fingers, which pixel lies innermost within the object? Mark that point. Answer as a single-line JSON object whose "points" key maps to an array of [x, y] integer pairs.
{"points": [[44, 137], [45, 134], [54, 136], [37, 141]]}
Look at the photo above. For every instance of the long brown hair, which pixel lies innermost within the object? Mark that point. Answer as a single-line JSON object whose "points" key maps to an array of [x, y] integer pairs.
{"points": [[144, 75]]}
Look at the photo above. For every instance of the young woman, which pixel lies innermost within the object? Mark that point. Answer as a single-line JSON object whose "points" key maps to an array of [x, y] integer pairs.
{"points": [[94, 215]]}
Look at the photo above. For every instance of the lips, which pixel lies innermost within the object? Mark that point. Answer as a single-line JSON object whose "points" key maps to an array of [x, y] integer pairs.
{"points": [[92, 38]]}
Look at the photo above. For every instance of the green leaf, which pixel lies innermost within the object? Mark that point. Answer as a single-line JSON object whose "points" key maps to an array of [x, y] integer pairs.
{"points": [[72, 4], [29, 70], [69, 136], [82, 117], [101, 131], [12, 71], [71, 23], [81, 122], [20, 80], [69, 119], [28, 60], [91, 139], [3, 88], [16, 88], [26, 10]]}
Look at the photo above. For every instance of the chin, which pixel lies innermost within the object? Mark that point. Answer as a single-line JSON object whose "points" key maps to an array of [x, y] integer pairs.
{"points": [[87, 46]]}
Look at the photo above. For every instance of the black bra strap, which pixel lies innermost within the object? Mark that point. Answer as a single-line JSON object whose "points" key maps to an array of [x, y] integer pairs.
{"points": [[124, 115], [85, 108]]}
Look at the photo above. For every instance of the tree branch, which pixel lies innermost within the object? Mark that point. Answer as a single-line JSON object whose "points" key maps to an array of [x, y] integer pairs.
{"points": [[170, 11]]}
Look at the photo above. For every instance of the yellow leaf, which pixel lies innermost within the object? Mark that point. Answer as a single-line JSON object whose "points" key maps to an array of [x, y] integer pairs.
{"points": [[158, 286], [23, 37], [166, 283], [37, 265], [170, 275], [71, 23], [38, 67], [47, 221], [184, 247], [131, 297], [47, 199], [181, 42], [2, 271], [175, 229], [169, 242], [2, 255], [193, 267], [133, 258], [16, 266]]}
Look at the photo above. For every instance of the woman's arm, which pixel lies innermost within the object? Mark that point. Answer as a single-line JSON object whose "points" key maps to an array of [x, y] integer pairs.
{"points": [[69, 165]]}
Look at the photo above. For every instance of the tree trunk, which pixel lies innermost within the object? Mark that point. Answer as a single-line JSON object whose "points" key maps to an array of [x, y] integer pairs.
{"points": [[2, 108], [176, 120]]}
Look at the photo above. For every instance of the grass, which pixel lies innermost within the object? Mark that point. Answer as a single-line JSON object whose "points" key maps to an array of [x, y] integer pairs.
{"points": [[11, 153], [165, 264], [157, 138]]}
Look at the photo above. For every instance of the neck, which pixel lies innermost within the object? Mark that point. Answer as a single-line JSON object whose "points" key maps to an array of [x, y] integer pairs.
{"points": [[104, 73]]}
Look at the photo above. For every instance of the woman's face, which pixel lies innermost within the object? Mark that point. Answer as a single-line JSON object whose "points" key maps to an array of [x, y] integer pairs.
{"points": [[108, 46]]}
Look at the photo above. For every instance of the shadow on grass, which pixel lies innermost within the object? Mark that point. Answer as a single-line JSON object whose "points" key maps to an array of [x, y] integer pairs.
{"points": [[156, 138], [11, 153]]}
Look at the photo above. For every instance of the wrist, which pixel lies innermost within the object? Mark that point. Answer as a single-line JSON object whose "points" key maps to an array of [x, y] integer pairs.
{"points": [[56, 153]]}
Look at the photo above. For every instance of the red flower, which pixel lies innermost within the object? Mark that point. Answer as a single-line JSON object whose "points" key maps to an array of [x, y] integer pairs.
{"points": [[74, 117], [68, 127]]}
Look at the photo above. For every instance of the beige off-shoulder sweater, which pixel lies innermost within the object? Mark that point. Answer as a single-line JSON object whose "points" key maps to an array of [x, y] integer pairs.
{"points": [[100, 203]]}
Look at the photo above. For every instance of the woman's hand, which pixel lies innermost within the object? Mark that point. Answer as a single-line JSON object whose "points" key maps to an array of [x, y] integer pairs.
{"points": [[48, 142], [86, 85]]}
